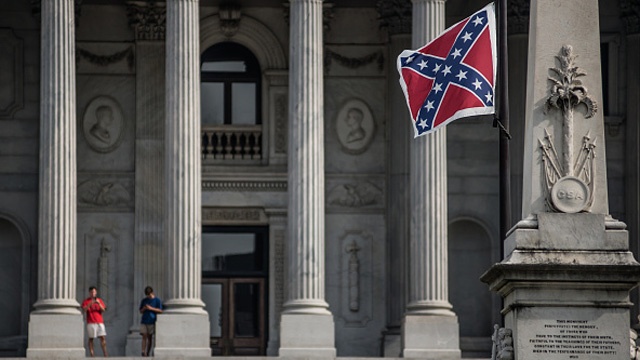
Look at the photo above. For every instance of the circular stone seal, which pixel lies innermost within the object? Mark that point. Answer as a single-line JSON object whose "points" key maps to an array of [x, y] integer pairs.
{"points": [[570, 195]]}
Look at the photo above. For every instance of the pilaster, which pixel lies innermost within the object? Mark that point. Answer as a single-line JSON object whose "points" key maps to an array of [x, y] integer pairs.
{"points": [[430, 326], [148, 20], [395, 16], [55, 326], [183, 329], [306, 309]]}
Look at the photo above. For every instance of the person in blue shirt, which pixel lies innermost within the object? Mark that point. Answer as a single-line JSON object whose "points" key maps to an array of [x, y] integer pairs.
{"points": [[150, 307]]}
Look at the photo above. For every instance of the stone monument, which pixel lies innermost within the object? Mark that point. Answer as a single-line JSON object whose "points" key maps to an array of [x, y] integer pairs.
{"points": [[567, 270]]}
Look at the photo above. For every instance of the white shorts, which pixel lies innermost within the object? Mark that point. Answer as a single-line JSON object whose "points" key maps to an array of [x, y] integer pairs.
{"points": [[96, 330]]}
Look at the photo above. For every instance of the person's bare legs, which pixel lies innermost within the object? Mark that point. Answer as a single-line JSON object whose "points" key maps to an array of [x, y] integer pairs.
{"points": [[91, 347], [103, 343], [144, 344], [149, 341]]}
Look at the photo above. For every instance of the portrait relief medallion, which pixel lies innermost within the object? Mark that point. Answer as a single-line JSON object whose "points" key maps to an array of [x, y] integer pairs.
{"points": [[355, 126], [103, 124]]}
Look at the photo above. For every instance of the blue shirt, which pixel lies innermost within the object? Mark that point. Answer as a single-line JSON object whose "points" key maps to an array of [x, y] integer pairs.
{"points": [[149, 317]]}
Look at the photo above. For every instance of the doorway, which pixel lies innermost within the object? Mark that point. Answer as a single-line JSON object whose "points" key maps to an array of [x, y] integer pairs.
{"points": [[234, 281]]}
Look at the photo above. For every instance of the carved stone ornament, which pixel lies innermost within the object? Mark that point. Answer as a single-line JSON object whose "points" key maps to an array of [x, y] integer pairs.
{"points": [[233, 216], [354, 276], [355, 126], [103, 124], [106, 60], [569, 180], [353, 63], [355, 195], [229, 19], [148, 19], [502, 348], [102, 193], [395, 15]]}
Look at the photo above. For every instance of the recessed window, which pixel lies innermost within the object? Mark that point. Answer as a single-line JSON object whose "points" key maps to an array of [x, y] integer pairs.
{"points": [[230, 86]]}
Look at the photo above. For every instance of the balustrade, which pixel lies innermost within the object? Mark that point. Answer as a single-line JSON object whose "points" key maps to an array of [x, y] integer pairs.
{"points": [[231, 142]]}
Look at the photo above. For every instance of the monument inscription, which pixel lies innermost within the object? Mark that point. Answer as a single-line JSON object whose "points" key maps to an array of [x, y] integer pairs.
{"points": [[572, 339]]}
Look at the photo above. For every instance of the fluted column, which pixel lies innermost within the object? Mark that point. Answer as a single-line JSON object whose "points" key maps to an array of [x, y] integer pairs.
{"points": [[55, 326], [430, 326], [184, 330], [306, 305]]}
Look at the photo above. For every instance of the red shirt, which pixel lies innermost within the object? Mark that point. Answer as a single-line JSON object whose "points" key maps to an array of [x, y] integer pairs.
{"points": [[94, 312]]}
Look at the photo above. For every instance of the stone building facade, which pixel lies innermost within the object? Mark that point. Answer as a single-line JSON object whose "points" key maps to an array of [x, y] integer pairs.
{"points": [[253, 162]]}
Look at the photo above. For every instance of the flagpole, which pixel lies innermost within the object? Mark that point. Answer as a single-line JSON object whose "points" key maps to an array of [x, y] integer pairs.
{"points": [[503, 117]]}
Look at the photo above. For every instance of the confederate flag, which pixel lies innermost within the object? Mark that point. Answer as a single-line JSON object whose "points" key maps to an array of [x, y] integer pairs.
{"points": [[453, 76]]}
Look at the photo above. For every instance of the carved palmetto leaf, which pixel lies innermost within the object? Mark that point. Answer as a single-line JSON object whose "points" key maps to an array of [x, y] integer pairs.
{"points": [[567, 90]]}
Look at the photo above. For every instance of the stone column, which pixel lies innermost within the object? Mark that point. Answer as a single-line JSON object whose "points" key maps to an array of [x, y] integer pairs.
{"points": [[567, 257], [430, 327], [56, 326], [631, 18], [183, 329], [306, 327], [396, 17], [518, 22], [148, 22]]}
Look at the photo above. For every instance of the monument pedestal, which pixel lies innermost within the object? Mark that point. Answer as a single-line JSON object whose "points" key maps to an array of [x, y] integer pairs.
{"points": [[307, 336], [182, 335], [566, 288], [430, 337], [56, 336]]}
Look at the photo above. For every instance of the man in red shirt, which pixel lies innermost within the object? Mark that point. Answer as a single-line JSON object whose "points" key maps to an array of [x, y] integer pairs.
{"points": [[93, 307]]}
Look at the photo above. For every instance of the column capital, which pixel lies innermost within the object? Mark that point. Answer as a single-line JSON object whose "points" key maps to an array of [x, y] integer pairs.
{"points": [[630, 14], [518, 17], [395, 15], [148, 19]]}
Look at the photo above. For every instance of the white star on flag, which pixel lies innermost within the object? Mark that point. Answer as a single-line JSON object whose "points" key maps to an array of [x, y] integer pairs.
{"points": [[409, 59], [461, 75], [466, 36], [423, 123], [447, 70], [489, 97], [429, 105], [456, 53], [437, 87], [422, 64], [436, 68], [477, 21], [477, 84]]}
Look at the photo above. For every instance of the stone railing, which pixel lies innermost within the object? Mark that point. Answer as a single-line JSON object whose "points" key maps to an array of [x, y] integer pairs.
{"points": [[231, 142]]}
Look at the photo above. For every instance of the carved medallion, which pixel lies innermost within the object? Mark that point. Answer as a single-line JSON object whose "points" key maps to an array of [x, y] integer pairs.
{"points": [[570, 194], [103, 124], [355, 126]]}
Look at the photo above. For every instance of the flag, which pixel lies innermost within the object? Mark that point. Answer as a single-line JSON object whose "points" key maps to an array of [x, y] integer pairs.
{"points": [[453, 76]]}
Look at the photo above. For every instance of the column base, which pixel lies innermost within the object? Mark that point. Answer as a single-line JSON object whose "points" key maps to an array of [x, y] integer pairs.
{"points": [[307, 336], [431, 337], [134, 342], [391, 345], [182, 336], [56, 336]]}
